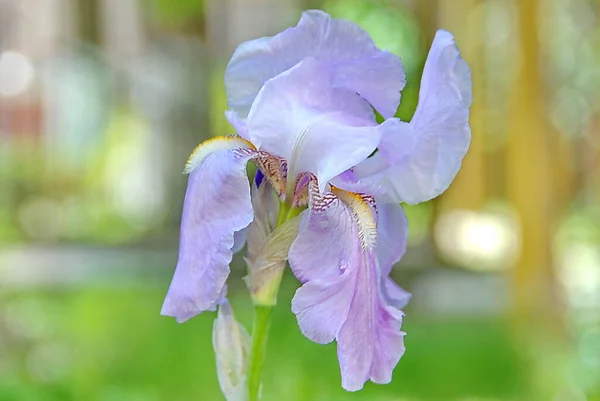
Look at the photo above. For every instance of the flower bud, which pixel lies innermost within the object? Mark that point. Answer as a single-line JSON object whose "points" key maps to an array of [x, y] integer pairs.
{"points": [[266, 268], [268, 246], [231, 343]]}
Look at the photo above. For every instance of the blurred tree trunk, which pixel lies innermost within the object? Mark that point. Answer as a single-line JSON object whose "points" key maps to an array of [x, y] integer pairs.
{"points": [[537, 319], [231, 22], [566, 180], [468, 191], [531, 155], [122, 28], [427, 14], [591, 167], [89, 25]]}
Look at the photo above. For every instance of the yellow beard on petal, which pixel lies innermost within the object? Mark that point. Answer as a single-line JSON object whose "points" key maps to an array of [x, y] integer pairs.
{"points": [[212, 145], [273, 170], [363, 208]]}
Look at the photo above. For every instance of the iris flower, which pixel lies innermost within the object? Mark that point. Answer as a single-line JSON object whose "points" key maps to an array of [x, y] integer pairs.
{"points": [[302, 104]]}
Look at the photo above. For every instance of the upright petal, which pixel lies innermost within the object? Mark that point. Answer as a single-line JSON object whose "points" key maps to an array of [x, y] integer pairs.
{"points": [[300, 117], [349, 181], [217, 204], [334, 255], [239, 124], [417, 161], [345, 49]]}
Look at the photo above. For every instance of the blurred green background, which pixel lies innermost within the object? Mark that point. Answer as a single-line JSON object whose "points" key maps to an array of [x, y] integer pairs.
{"points": [[101, 101]]}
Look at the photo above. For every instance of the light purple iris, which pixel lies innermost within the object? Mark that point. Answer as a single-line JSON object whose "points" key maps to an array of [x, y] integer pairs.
{"points": [[302, 105]]}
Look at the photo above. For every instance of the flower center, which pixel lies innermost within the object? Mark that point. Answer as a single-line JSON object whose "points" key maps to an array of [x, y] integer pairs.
{"points": [[275, 170]]}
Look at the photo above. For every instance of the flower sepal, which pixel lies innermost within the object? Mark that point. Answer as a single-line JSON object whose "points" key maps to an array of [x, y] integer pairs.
{"points": [[265, 268]]}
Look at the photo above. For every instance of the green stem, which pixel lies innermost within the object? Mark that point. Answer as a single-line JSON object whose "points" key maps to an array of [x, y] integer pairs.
{"points": [[260, 327], [260, 334], [284, 209], [263, 309]]}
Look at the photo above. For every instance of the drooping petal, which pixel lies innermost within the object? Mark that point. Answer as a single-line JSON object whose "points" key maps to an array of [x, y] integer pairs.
{"points": [[319, 259], [301, 118], [219, 301], [322, 306], [392, 233], [370, 342], [417, 161], [239, 240], [316, 260], [217, 204], [344, 48], [394, 295], [334, 256]]}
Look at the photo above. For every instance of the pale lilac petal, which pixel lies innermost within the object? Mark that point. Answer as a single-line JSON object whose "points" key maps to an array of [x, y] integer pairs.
{"points": [[349, 181], [417, 161], [378, 78], [389, 344], [342, 295], [321, 307], [394, 295], [217, 204], [324, 239], [317, 259], [300, 117], [239, 240], [239, 124], [392, 234], [344, 48], [219, 301], [370, 342]]}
